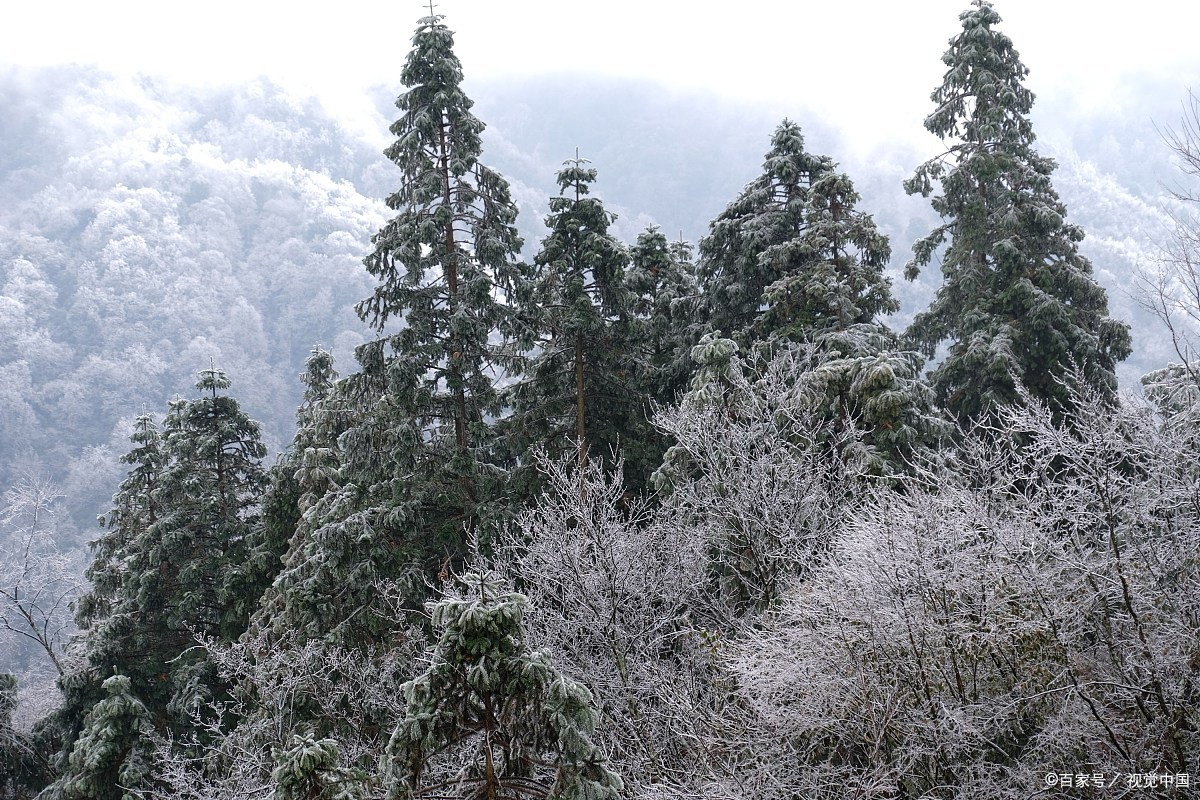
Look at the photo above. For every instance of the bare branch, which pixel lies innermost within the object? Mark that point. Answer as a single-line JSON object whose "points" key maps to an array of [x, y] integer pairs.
{"points": [[38, 582]]}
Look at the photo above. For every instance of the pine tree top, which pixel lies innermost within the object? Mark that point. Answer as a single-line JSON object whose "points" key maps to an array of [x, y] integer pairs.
{"points": [[982, 97], [1019, 303], [213, 379], [434, 105], [575, 176]]}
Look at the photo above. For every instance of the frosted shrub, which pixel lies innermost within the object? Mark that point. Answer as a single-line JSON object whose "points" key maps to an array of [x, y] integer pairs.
{"points": [[1038, 614]]}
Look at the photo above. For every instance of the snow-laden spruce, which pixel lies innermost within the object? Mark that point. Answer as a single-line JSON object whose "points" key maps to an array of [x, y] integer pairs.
{"points": [[1018, 303]]}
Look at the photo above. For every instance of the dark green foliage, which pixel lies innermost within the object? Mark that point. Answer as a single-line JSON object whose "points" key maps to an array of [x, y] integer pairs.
{"points": [[185, 573], [113, 757], [107, 608], [580, 392], [313, 455], [831, 270], [666, 301], [403, 462], [795, 416], [792, 266], [175, 564], [440, 260], [302, 476], [187, 570], [135, 508], [863, 379], [186, 513], [768, 212], [441, 263], [491, 718], [1018, 302], [791, 255], [665, 325], [297, 675]]}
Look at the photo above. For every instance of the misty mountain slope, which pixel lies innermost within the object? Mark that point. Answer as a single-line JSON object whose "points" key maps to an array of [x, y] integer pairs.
{"points": [[1123, 234], [148, 229], [674, 159]]}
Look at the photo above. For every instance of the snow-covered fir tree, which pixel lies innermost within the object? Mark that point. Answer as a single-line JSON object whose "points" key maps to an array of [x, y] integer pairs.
{"points": [[307, 770], [665, 298], [818, 599], [1018, 302], [414, 465], [175, 564], [749, 246], [301, 477], [665, 295], [794, 264], [135, 509], [579, 389]]}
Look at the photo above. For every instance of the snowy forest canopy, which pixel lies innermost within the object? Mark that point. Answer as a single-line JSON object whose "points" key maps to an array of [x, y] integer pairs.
{"points": [[840, 499]]}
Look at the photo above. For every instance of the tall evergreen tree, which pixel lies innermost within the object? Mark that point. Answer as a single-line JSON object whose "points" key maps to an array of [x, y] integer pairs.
{"points": [[210, 493], [748, 247], [579, 393], [452, 243], [792, 257], [301, 617], [1018, 302], [414, 464], [666, 325], [665, 298], [313, 455], [793, 265], [831, 269], [441, 264], [303, 474], [134, 510]]}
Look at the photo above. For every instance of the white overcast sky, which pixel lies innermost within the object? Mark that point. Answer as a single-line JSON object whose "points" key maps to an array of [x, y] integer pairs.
{"points": [[866, 66]]}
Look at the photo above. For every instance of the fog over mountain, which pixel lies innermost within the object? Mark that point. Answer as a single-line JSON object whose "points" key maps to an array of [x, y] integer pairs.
{"points": [[148, 227]]}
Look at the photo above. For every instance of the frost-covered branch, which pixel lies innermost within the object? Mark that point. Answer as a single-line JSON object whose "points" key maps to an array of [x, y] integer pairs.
{"points": [[620, 597], [1035, 614], [38, 582], [1171, 290], [289, 698]]}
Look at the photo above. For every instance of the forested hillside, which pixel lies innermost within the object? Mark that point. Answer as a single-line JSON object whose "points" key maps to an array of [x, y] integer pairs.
{"points": [[627, 445], [147, 230]]}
